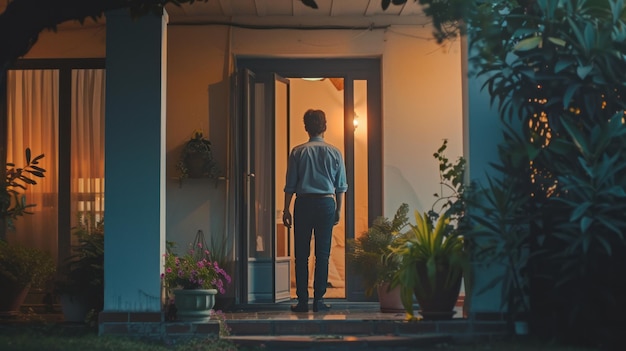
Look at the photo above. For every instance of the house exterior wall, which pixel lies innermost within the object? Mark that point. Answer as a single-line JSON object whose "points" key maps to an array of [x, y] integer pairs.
{"points": [[422, 105], [422, 102]]}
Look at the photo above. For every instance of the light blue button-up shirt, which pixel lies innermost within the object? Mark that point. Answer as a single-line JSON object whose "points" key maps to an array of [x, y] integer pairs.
{"points": [[316, 167]]}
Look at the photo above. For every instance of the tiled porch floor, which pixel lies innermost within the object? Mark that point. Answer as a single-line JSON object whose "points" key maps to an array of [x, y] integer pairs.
{"points": [[341, 310], [347, 326]]}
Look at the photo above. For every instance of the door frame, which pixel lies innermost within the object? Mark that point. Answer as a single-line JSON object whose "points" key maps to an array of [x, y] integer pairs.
{"points": [[350, 69]]}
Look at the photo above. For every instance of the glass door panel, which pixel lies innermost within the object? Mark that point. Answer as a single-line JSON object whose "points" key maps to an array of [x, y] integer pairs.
{"points": [[87, 148], [269, 112], [361, 179], [281, 144]]}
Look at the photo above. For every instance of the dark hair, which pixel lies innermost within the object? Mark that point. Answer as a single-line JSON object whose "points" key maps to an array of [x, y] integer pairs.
{"points": [[315, 122]]}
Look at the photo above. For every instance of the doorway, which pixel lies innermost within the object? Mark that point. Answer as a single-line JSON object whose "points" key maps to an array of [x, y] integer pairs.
{"points": [[272, 95]]}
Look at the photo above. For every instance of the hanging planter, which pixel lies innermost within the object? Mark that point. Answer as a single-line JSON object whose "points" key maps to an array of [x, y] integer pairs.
{"points": [[196, 159]]}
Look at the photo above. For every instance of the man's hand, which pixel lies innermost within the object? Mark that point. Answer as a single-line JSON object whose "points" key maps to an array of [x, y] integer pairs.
{"points": [[337, 216], [287, 219]]}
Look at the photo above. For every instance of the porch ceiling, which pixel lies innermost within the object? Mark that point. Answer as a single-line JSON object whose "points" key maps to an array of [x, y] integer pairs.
{"points": [[285, 13], [294, 13]]}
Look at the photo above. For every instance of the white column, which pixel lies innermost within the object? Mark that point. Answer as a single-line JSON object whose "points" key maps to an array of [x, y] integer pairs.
{"points": [[134, 161], [483, 134]]}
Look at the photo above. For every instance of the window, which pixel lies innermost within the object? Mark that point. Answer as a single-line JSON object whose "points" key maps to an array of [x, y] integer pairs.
{"points": [[57, 108]]}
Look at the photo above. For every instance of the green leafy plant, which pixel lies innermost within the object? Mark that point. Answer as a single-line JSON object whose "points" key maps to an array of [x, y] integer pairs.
{"points": [[499, 216], [430, 265], [82, 274], [25, 266], [373, 247], [501, 237], [582, 241], [555, 68], [450, 197], [20, 267], [196, 158], [13, 202]]}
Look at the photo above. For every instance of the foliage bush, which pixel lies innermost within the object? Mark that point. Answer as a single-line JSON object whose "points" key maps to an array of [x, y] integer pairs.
{"points": [[25, 265], [28, 342], [554, 69]]}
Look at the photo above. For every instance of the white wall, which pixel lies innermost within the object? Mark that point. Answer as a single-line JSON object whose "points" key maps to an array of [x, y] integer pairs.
{"points": [[421, 107], [197, 98]]}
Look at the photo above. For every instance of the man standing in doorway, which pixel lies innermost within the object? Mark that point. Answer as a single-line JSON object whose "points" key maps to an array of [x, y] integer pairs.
{"points": [[316, 173]]}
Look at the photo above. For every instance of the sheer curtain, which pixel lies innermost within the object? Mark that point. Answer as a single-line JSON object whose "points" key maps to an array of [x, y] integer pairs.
{"points": [[87, 158], [33, 122]]}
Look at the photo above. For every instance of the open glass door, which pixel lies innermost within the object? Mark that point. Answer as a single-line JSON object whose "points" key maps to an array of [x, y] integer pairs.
{"points": [[351, 97], [280, 87], [265, 247]]}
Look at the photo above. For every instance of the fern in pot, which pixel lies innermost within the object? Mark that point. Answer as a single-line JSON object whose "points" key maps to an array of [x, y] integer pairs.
{"points": [[371, 250]]}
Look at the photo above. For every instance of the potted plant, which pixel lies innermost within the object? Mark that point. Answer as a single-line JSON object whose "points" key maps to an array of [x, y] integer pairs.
{"points": [[371, 250], [20, 267], [430, 262], [194, 279], [196, 158], [81, 284]]}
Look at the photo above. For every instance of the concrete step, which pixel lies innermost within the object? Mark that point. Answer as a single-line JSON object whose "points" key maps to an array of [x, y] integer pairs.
{"points": [[341, 342]]}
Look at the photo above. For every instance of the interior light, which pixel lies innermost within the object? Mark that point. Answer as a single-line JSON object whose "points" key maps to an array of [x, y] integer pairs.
{"points": [[313, 79]]}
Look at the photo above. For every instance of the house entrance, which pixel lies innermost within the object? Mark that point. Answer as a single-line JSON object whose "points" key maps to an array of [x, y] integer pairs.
{"points": [[272, 96]]}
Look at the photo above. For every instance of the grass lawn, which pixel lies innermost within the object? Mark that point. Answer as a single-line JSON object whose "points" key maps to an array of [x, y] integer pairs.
{"points": [[37, 335], [509, 345], [54, 338]]}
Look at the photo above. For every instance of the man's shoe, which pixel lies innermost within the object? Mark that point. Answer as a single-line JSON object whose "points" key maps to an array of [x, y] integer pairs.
{"points": [[320, 306], [301, 307]]}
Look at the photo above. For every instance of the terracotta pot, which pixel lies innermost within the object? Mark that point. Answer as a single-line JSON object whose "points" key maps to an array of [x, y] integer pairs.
{"points": [[390, 301], [195, 305]]}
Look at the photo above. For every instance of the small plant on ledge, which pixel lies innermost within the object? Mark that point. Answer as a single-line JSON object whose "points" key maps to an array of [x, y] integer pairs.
{"points": [[196, 159]]}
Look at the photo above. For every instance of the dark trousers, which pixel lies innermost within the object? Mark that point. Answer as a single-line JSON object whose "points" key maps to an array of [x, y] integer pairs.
{"points": [[312, 216]]}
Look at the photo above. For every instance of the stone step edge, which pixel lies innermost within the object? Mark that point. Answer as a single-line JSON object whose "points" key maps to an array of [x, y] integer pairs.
{"points": [[332, 340], [353, 327]]}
